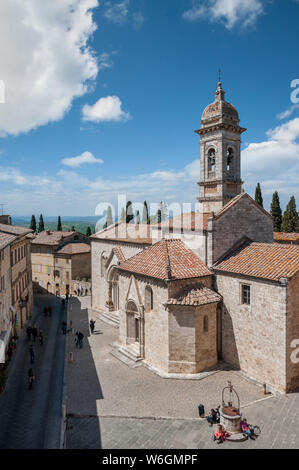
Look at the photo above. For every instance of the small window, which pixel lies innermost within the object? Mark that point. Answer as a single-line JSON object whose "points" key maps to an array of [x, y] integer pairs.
{"points": [[205, 323], [211, 160], [245, 294], [39, 268], [229, 159], [149, 299], [48, 270]]}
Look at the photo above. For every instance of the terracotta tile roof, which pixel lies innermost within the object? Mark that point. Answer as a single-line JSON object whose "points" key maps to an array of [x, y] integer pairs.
{"points": [[194, 295], [14, 229], [6, 239], [262, 260], [186, 221], [234, 201], [48, 237], [166, 259], [130, 233], [74, 248], [287, 237]]}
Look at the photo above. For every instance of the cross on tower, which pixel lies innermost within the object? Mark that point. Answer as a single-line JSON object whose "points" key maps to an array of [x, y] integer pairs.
{"points": [[219, 72]]}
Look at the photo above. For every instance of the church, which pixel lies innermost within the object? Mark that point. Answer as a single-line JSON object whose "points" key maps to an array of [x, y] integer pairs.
{"points": [[205, 287]]}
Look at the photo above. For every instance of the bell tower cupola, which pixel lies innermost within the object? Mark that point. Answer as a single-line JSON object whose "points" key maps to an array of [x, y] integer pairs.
{"points": [[220, 154]]}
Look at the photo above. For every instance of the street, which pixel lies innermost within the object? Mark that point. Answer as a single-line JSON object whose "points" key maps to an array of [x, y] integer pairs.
{"points": [[31, 419]]}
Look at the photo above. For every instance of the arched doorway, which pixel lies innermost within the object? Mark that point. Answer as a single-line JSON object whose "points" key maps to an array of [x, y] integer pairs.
{"points": [[133, 323], [113, 290]]}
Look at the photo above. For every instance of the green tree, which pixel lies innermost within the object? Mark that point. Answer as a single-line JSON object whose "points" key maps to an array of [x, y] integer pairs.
{"points": [[88, 232], [137, 218], [129, 213], [73, 228], [145, 215], [41, 225], [258, 195], [59, 226], [109, 219], [123, 215], [33, 223], [290, 219], [276, 212]]}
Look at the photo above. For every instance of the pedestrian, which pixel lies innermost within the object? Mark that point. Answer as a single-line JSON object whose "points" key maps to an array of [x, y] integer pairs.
{"points": [[41, 338], [28, 332], [63, 327], [50, 310], [45, 311], [77, 339], [9, 352], [80, 338], [86, 291], [63, 302], [66, 297], [32, 355], [92, 324], [34, 333], [30, 378]]}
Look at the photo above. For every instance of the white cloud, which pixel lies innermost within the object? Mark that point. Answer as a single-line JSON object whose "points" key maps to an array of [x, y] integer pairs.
{"points": [[117, 12], [105, 61], [45, 59], [105, 109], [289, 111], [85, 157], [274, 162], [138, 20], [230, 12]]}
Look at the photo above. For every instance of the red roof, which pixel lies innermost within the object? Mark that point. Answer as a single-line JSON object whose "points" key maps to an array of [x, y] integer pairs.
{"points": [[166, 259], [74, 249], [194, 295], [129, 233], [186, 221], [262, 260], [286, 237]]}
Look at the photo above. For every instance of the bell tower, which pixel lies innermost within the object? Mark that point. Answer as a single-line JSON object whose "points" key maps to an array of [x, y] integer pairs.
{"points": [[220, 154]]}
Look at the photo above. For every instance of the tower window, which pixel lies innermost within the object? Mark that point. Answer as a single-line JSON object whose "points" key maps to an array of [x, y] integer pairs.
{"points": [[245, 294], [229, 159], [211, 160]]}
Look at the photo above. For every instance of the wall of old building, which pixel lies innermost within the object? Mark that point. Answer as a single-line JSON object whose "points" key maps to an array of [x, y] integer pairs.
{"points": [[292, 333], [99, 282], [81, 265], [243, 218], [21, 275], [254, 336]]}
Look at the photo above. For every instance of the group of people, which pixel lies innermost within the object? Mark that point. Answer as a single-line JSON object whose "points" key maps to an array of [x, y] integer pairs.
{"points": [[32, 331], [48, 310], [81, 291], [79, 339], [220, 435]]}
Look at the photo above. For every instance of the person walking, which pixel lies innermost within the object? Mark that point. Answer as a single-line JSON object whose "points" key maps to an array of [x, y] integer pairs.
{"points": [[41, 338], [9, 353], [80, 338], [30, 378], [28, 332], [77, 339], [34, 333], [92, 325], [32, 355]]}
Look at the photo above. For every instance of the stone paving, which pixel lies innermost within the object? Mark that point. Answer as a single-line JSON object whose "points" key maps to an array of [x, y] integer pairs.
{"points": [[113, 406], [31, 419]]}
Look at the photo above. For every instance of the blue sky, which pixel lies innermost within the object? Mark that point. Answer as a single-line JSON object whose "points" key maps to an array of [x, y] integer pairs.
{"points": [[122, 85]]}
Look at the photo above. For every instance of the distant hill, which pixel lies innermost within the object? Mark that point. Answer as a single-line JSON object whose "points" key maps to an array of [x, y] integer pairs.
{"points": [[80, 223]]}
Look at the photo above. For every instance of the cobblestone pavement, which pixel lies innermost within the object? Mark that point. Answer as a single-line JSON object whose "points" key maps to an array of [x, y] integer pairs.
{"points": [[31, 419], [113, 406]]}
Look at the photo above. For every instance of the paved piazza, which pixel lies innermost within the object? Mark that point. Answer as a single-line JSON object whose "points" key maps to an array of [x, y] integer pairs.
{"points": [[111, 405]]}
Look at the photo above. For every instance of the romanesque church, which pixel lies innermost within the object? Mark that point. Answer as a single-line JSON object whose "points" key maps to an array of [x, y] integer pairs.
{"points": [[208, 287]]}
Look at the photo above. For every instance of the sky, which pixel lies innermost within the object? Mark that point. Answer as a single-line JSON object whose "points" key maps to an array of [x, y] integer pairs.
{"points": [[101, 98]]}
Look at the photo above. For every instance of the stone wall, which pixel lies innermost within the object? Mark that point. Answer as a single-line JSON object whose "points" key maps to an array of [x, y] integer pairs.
{"points": [[99, 282], [81, 265], [243, 218], [292, 334], [254, 336]]}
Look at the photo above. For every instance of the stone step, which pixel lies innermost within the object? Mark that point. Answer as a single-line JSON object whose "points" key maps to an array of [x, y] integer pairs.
{"points": [[126, 354], [108, 317]]}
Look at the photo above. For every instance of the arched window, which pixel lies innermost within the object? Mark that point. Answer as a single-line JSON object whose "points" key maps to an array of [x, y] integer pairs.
{"points": [[229, 159], [211, 160], [149, 299], [205, 323]]}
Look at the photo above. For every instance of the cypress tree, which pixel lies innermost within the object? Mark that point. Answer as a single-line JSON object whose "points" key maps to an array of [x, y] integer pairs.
{"points": [[129, 213], [59, 226], [88, 232], [276, 212], [73, 228], [145, 217], [290, 219], [109, 219], [33, 223], [41, 225], [258, 195], [123, 215], [137, 217]]}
